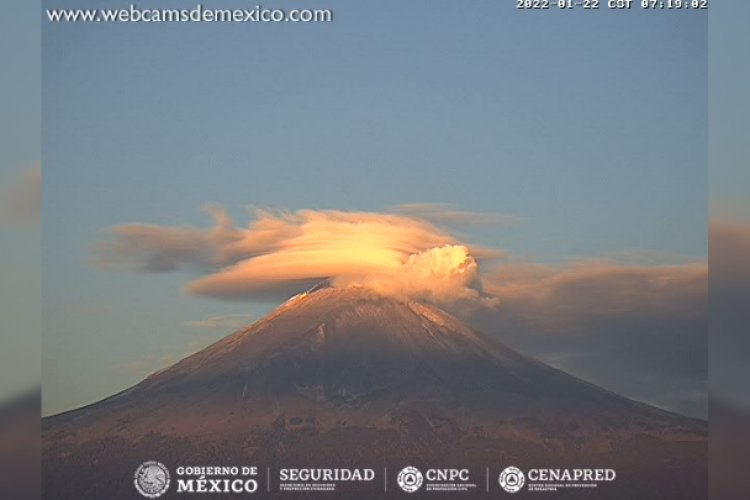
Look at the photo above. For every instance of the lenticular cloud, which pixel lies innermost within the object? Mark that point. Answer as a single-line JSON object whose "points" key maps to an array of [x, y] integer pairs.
{"points": [[280, 253]]}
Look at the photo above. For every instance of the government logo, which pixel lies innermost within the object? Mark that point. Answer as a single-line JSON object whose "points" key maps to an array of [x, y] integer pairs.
{"points": [[152, 479], [512, 479]]}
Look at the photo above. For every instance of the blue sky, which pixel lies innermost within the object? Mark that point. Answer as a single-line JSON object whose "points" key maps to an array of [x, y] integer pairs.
{"points": [[20, 116], [589, 127], [729, 175]]}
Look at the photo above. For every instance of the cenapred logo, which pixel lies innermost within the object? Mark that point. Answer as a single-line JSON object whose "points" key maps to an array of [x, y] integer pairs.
{"points": [[511, 479], [152, 479], [410, 479]]}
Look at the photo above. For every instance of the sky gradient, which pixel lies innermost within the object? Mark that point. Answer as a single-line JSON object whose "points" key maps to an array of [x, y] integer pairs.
{"points": [[589, 128], [20, 145]]}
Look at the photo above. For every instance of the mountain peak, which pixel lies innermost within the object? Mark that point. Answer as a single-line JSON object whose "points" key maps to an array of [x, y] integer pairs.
{"points": [[334, 368]]}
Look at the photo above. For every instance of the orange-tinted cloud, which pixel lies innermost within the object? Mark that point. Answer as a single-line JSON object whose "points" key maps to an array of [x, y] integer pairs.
{"points": [[153, 248], [637, 330], [280, 253], [591, 288]]}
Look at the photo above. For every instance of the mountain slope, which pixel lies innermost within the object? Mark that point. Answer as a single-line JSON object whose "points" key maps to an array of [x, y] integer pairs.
{"points": [[348, 375]]}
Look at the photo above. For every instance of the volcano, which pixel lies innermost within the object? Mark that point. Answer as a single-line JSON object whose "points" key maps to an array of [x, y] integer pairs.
{"points": [[347, 377]]}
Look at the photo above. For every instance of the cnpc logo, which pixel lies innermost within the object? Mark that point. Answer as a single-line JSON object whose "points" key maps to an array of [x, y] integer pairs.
{"points": [[410, 479]]}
